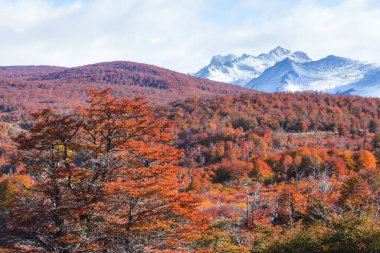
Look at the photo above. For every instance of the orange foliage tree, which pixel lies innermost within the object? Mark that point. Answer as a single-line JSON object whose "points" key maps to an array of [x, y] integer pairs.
{"points": [[366, 160], [105, 179]]}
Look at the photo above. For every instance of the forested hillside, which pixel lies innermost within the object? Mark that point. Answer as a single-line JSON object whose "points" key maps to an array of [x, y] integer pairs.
{"points": [[251, 172], [29, 88], [282, 172]]}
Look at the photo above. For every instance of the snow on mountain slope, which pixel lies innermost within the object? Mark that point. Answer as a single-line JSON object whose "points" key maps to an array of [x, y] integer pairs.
{"points": [[241, 70], [323, 75], [369, 86], [286, 75]]}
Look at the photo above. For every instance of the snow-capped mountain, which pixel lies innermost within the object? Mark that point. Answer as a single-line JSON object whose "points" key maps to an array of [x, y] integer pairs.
{"points": [[240, 70], [291, 72], [322, 75]]}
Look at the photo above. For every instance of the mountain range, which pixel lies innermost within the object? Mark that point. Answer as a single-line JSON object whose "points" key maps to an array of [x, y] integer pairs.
{"points": [[281, 70]]}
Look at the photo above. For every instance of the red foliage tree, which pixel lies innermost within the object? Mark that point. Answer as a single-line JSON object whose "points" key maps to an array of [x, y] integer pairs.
{"points": [[105, 179]]}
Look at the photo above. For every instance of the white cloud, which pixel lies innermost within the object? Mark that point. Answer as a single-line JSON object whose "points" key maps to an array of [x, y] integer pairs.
{"points": [[181, 34]]}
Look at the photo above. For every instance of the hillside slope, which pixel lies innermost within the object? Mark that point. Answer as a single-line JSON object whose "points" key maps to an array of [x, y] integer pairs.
{"points": [[32, 87]]}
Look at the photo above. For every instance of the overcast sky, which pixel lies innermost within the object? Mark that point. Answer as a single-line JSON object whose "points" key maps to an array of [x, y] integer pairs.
{"points": [[183, 35]]}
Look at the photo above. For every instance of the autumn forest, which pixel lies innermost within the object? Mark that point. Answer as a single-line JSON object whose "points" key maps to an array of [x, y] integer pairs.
{"points": [[127, 157]]}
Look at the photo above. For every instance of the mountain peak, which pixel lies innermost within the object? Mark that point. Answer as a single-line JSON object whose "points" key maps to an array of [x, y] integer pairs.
{"points": [[280, 51], [221, 60], [302, 55], [334, 58], [240, 70], [285, 62]]}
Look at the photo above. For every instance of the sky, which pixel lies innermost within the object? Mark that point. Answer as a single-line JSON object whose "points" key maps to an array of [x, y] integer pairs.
{"points": [[183, 35]]}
